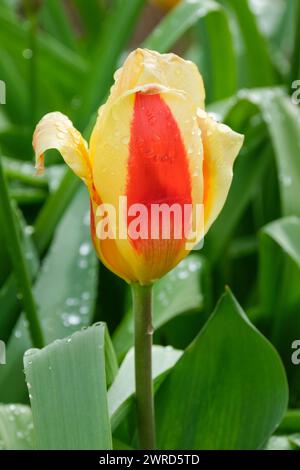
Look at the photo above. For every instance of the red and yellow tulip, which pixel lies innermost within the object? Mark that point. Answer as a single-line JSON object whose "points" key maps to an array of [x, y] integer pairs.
{"points": [[153, 143]]}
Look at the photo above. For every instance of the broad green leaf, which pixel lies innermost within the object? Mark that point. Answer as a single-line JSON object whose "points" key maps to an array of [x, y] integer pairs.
{"points": [[279, 443], [180, 291], [279, 279], [284, 442], [23, 172], [64, 305], [123, 387], [256, 67], [18, 260], [177, 22], [227, 391], [294, 16], [208, 15], [283, 122], [17, 104], [53, 210], [295, 441], [119, 445], [16, 427], [16, 140], [27, 196], [249, 171], [53, 56], [9, 292], [218, 85], [56, 22], [67, 389], [120, 19], [268, 14], [92, 18]]}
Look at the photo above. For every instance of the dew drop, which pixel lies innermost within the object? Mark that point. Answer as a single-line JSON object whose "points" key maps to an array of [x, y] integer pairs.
{"points": [[72, 301], [84, 310], [85, 295], [29, 230], [82, 264], [84, 249], [72, 319], [183, 274]]}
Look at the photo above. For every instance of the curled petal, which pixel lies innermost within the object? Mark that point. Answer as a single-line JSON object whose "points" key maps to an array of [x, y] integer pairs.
{"points": [[143, 66], [56, 131], [221, 146]]}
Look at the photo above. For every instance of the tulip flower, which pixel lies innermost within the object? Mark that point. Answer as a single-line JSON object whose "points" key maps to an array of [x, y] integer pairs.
{"points": [[152, 144]]}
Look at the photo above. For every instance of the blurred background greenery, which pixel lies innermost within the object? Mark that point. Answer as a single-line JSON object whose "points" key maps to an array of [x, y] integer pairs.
{"points": [[61, 55]]}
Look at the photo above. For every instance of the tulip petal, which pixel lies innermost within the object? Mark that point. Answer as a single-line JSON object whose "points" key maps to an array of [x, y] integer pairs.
{"points": [[221, 146], [56, 131], [107, 250], [143, 66], [111, 152]]}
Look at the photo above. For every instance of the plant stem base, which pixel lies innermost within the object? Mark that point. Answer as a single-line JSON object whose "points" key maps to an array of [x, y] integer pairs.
{"points": [[142, 308]]}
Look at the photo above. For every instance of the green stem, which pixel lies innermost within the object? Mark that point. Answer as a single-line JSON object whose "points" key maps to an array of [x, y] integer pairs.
{"points": [[142, 309], [12, 239]]}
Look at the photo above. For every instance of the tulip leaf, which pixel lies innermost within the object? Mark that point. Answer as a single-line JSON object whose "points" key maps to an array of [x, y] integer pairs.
{"points": [[177, 22], [123, 387], [279, 443], [212, 65], [180, 291], [256, 67], [9, 296], [283, 122], [16, 427], [53, 56], [227, 391], [68, 376], [249, 171], [55, 21], [282, 119], [279, 290], [23, 172], [105, 55], [64, 305]]}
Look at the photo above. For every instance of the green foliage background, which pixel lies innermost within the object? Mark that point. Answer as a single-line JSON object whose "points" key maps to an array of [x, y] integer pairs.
{"points": [[219, 382]]}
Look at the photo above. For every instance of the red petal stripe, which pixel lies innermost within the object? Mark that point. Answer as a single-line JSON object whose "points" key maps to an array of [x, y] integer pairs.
{"points": [[158, 170]]}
